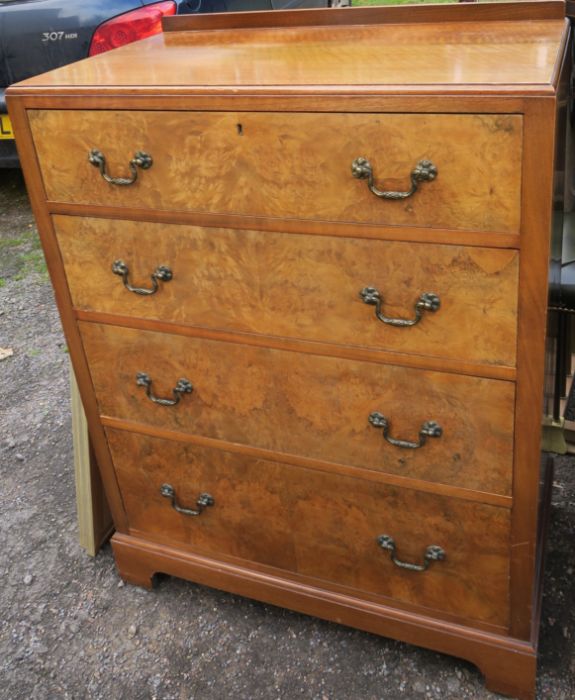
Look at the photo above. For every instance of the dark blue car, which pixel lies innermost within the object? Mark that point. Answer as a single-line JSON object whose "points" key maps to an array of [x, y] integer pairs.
{"points": [[38, 35]]}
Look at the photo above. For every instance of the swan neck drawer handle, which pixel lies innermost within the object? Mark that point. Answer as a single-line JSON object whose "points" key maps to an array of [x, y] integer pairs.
{"points": [[428, 301], [161, 273], [140, 160], [429, 429], [432, 553], [203, 501], [183, 386], [424, 171]]}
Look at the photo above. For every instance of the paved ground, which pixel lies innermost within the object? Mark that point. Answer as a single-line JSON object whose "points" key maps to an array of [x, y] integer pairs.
{"points": [[70, 629]]}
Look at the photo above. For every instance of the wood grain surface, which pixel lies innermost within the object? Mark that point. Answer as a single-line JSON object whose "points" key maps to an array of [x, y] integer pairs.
{"points": [[253, 131], [299, 286], [369, 15], [319, 525], [291, 165], [445, 55], [310, 405], [53, 259], [509, 665], [538, 187], [333, 229]]}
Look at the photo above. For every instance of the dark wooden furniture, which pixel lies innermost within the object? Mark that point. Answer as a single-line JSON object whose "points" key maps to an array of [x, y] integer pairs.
{"points": [[316, 456]]}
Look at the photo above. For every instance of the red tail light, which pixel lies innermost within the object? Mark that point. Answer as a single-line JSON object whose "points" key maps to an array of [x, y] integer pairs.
{"points": [[131, 26]]}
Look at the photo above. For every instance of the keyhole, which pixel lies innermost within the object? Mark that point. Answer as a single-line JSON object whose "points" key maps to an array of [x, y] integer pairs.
{"points": [[240, 129]]}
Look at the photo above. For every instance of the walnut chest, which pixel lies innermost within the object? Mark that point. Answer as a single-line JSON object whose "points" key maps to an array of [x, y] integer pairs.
{"points": [[302, 262]]}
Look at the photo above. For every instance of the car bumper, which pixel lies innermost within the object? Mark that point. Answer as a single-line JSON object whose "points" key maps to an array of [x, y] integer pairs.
{"points": [[8, 154]]}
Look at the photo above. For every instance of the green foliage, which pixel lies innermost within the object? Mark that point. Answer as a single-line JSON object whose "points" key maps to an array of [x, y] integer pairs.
{"points": [[357, 3], [21, 255], [34, 260], [6, 243]]}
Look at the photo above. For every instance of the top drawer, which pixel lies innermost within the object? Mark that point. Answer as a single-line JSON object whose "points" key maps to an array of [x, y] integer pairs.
{"points": [[290, 165]]}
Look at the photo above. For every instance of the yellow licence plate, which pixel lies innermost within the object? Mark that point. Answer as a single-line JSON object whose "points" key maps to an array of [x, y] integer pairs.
{"points": [[6, 127]]}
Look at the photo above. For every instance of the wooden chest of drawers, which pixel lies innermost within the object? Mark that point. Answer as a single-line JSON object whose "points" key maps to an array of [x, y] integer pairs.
{"points": [[302, 262]]}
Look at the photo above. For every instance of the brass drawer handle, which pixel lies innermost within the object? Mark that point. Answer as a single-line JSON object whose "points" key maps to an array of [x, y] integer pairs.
{"points": [[429, 429], [161, 273], [424, 171], [204, 500], [432, 553], [428, 301], [184, 386], [140, 160]]}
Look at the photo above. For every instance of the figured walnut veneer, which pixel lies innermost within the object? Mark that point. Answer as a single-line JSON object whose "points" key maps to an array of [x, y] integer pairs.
{"points": [[319, 525], [253, 122], [292, 165], [300, 286], [309, 405]]}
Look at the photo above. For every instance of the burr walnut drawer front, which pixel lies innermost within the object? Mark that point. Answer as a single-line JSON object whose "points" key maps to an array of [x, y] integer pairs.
{"points": [[318, 525], [438, 170], [461, 300], [427, 425]]}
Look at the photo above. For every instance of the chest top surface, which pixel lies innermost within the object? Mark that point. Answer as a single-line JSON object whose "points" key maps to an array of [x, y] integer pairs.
{"points": [[493, 48]]}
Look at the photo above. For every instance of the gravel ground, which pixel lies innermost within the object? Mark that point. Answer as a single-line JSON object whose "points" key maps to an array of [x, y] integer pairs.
{"points": [[69, 628]]}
